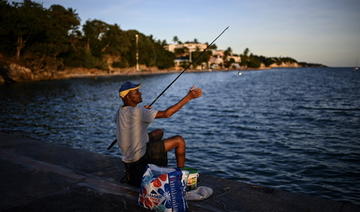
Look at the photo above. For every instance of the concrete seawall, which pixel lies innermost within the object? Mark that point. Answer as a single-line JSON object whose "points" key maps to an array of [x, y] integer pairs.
{"points": [[38, 176]]}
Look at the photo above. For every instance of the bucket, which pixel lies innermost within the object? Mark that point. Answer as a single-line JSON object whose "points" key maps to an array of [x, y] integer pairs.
{"points": [[192, 178]]}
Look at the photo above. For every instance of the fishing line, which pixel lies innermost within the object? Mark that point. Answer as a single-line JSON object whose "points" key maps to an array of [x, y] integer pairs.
{"points": [[187, 67]]}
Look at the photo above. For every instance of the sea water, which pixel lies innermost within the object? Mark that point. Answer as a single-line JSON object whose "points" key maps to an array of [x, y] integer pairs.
{"points": [[293, 129]]}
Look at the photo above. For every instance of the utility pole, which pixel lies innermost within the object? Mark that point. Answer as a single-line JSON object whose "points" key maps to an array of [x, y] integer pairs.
{"points": [[190, 59], [137, 52]]}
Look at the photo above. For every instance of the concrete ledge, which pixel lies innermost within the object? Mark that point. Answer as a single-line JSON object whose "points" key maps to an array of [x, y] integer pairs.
{"points": [[38, 176]]}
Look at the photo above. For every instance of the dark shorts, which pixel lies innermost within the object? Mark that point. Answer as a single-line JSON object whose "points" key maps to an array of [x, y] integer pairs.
{"points": [[155, 154]]}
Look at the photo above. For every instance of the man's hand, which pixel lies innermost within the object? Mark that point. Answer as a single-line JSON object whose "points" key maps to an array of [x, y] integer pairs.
{"points": [[195, 93], [192, 94]]}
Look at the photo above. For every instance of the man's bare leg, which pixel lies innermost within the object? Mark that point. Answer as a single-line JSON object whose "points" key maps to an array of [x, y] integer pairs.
{"points": [[177, 143]]}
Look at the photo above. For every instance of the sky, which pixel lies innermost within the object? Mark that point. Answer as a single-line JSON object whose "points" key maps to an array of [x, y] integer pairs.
{"points": [[314, 31]]}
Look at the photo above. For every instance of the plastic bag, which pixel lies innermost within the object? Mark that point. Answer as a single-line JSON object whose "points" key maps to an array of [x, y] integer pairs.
{"points": [[201, 193], [163, 189]]}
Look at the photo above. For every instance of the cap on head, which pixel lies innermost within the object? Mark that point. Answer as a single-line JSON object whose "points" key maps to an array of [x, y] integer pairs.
{"points": [[127, 87]]}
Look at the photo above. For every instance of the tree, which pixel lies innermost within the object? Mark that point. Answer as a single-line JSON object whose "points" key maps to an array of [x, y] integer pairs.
{"points": [[181, 51], [36, 35], [246, 52], [63, 22], [59, 25], [176, 39], [165, 58], [244, 57], [227, 52], [199, 60], [5, 30], [21, 25], [93, 32], [254, 61], [213, 46], [114, 41], [267, 61], [163, 43]]}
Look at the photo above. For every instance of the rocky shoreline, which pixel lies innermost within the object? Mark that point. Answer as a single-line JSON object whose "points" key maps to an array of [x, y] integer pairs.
{"points": [[14, 73]]}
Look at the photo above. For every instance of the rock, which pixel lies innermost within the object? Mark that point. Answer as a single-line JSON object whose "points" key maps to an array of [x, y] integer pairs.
{"points": [[12, 72], [19, 73], [4, 78]]}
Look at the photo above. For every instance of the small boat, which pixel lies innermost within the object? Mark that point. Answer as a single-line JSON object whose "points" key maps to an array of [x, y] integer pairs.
{"points": [[356, 68], [239, 73]]}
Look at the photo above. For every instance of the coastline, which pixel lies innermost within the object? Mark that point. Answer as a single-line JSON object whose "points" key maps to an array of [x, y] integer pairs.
{"points": [[15, 73], [131, 72], [12, 72]]}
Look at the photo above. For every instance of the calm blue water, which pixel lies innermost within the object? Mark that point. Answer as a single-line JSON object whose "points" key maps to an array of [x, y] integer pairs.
{"points": [[293, 129]]}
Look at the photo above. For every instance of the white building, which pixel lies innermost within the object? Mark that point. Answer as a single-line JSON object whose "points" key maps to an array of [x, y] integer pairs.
{"points": [[192, 47], [217, 58], [236, 58]]}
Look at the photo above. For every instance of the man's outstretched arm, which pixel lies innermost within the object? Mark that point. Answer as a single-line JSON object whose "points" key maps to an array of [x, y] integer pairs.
{"points": [[192, 94]]}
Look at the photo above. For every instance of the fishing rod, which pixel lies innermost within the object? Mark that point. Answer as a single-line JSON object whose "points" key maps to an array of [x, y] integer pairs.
{"points": [[187, 67]]}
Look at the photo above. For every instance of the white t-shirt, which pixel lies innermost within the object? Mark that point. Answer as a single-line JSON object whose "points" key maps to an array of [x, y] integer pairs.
{"points": [[131, 131]]}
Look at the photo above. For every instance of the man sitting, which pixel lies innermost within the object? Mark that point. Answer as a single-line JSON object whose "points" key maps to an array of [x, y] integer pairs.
{"points": [[138, 147]]}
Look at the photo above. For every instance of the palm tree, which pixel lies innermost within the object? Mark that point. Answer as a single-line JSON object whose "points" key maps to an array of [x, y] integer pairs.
{"points": [[246, 52], [176, 39]]}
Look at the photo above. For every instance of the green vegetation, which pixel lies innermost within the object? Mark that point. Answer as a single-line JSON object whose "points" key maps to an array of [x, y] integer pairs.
{"points": [[52, 39], [254, 61]]}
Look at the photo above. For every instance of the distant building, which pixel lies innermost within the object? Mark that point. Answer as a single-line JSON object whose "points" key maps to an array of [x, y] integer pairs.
{"points": [[185, 57], [192, 47], [236, 58], [180, 62], [217, 59]]}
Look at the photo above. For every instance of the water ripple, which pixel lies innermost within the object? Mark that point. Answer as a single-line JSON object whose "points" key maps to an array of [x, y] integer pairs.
{"points": [[296, 130]]}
